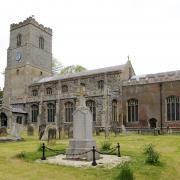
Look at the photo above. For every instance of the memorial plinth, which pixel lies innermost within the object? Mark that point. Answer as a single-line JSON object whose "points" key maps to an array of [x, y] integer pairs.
{"points": [[82, 133]]}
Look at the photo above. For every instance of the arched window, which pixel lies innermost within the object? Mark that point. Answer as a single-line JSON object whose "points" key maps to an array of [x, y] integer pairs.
{"points": [[100, 84], [173, 105], [41, 42], [69, 112], [114, 110], [92, 106], [132, 110], [34, 92], [48, 91], [19, 39], [34, 112], [64, 88], [51, 112]]}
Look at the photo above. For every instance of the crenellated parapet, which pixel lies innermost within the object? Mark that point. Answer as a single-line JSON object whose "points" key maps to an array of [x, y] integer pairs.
{"points": [[31, 20], [153, 78]]}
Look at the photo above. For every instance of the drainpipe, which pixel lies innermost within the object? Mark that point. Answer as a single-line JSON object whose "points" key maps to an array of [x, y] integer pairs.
{"points": [[160, 88]]}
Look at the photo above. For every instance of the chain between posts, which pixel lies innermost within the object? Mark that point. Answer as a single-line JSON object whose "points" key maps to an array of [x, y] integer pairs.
{"points": [[94, 151]]}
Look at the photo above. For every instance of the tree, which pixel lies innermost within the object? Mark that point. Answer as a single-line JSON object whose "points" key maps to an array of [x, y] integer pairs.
{"points": [[56, 66], [1, 93], [72, 69]]}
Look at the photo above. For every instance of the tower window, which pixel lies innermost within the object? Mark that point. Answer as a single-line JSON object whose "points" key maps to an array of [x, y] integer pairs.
{"points": [[41, 42], [19, 39], [132, 110]]}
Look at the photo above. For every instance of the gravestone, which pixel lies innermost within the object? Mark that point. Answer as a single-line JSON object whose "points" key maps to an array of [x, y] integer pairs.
{"points": [[46, 132], [42, 128], [51, 136], [82, 133], [16, 130], [30, 130], [3, 132]]}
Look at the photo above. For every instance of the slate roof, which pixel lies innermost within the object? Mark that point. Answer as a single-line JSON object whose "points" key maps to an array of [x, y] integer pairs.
{"points": [[83, 73], [18, 110], [156, 75]]}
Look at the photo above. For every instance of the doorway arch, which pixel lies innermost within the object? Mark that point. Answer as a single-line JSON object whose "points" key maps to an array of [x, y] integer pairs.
{"points": [[3, 120], [152, 123]]}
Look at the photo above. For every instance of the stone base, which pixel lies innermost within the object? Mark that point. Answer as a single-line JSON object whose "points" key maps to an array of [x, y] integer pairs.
{"points": [[80, 146]]}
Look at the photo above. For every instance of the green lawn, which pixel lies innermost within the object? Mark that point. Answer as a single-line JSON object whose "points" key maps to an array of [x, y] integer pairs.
{"points": [[131, 145]]}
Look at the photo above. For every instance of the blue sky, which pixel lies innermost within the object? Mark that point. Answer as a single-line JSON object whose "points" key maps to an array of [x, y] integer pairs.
{"points": [[99, 33]]}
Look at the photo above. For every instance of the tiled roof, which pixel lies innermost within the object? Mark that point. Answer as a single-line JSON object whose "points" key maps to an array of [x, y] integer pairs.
{"points": [[84, 73]]}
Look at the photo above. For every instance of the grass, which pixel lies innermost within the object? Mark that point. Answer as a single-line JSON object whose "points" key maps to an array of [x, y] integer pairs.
{"points": [[24, 168]]}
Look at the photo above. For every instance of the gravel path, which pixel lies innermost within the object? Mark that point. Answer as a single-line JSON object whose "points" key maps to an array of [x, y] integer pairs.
{"points": [[107, 161]]}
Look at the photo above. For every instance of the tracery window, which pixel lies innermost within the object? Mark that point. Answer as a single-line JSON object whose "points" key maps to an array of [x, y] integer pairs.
{"points": [[41, 42], [64, 88], [34, 112], [48, 91], [114, 110], [51, 112], [69, 112], [92, 106], [132, 110], [173, 108], [100, 84], [34, 92]]}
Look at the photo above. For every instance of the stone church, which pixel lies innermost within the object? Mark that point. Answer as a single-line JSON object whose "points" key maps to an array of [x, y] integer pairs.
{"points": [[115, 95]]}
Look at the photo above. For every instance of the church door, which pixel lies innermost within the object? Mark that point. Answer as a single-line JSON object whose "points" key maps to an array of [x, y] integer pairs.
{"points": [[3, 120], [152, 123]]}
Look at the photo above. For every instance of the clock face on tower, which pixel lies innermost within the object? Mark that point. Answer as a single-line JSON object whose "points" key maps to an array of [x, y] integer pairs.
{"points": [[18, 56]]}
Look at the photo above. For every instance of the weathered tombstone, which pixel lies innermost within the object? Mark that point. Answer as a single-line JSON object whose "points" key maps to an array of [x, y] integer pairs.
{"points": [[51, 136], [16, 130], [41, 130], [46, 132], [97, 131], [3, 132], [82, 133], [30, 130]]}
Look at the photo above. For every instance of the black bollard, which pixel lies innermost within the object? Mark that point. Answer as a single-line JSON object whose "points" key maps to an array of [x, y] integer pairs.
{"points": [[118, 147], [94, 156], [43, 152]]}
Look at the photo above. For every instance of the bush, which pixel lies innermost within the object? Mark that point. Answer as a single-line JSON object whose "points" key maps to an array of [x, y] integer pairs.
{"points": [[152, 156], [21, 155], [125, 172], [106, 145]]}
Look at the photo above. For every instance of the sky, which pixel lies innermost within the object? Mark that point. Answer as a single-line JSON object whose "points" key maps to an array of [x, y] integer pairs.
{"points": [[101, 33]]}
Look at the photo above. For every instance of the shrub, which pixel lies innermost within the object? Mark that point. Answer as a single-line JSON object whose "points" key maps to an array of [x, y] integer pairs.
{"points": [[152, 156], [106, 145], [126, 172], [21, 155]]}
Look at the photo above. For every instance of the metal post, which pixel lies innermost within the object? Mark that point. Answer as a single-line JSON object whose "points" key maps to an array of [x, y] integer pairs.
{"points": [[94, 156], [118, 147], [43, 152]]}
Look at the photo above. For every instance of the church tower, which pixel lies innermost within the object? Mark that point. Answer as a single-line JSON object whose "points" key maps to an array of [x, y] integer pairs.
{"points": [[29, 57]]}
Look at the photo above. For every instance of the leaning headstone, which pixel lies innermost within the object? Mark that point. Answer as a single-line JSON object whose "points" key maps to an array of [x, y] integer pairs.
{"points": [[46, 132], [30, 130], [3, 132], [42, 128]]}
